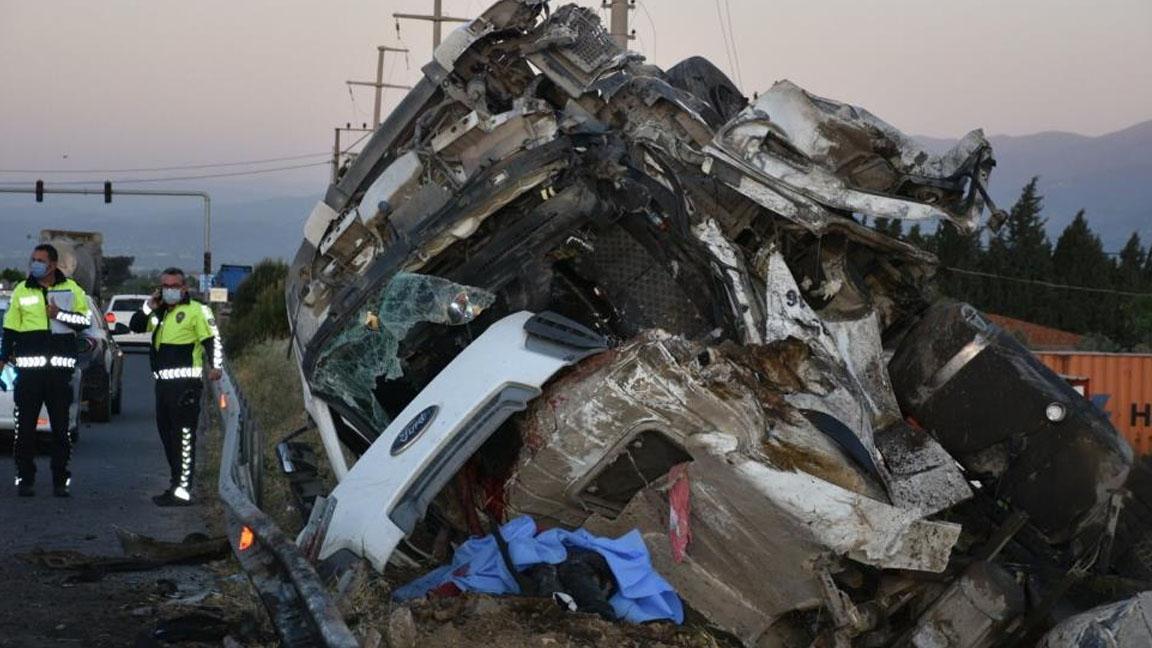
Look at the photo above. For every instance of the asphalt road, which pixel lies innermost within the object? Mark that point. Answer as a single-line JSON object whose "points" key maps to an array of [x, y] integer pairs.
{"points": [[116, 468]]}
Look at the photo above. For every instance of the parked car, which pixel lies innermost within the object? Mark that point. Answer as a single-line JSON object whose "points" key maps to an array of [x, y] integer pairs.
{"points": [[8, 378], [102, 368], [120, 310]]}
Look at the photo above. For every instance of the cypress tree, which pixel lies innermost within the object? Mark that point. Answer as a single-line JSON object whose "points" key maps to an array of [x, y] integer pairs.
{"points": [[1136, 323], [1028, 255], [1079, 260]]}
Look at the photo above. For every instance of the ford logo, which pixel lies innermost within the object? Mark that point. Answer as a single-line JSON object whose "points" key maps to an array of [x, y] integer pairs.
{"points": [[413, 429]]}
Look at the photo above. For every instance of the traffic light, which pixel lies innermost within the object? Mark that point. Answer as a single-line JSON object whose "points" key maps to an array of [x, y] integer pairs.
{"points": [[107, 192], [39, 191]]}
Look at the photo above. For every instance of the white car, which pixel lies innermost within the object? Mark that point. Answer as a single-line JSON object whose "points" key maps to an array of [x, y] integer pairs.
{"points": [[119, 315], [8, 378]]}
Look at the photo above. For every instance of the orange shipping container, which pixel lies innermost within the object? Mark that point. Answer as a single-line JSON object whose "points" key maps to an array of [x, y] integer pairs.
{"points": [[1126, 380]]}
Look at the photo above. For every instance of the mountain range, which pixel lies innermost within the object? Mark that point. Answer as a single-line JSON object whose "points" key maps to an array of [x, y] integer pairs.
{"points": [[1110, 176]]}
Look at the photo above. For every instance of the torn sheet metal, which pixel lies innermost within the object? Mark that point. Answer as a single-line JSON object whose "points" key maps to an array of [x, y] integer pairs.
{"points": [[844, 158], [1117, 625], [973, 612], [602, 443]]}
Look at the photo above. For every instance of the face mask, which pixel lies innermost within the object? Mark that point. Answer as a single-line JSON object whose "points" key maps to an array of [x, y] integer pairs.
{"points": [[171, 296], [38, 269]]}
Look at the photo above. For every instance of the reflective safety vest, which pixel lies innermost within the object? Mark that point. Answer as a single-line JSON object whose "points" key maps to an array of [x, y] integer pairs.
{"points": [[34, 341], [185, 340]]}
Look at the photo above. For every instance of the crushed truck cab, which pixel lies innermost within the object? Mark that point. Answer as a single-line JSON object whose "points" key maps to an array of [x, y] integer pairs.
{"points": [[560, 281]]}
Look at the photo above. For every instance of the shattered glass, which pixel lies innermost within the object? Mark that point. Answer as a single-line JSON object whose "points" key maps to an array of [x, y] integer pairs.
{"points": [[368, 349]]}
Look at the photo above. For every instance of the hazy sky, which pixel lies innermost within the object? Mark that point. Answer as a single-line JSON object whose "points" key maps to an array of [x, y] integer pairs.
{"points": [[114, 83]]}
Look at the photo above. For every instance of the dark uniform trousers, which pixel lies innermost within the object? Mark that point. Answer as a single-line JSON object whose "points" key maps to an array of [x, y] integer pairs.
{"points": [[177, 413], [35, 388]]}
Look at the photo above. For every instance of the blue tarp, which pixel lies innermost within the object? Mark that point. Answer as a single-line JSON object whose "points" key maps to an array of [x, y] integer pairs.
{"points": [[642, 594]]}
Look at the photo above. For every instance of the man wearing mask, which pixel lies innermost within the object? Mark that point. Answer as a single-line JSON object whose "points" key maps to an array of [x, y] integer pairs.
{"points": [[185, 342], [46, 311]]}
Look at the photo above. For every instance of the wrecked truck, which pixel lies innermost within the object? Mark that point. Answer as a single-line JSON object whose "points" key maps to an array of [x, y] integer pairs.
{"points": [[560, 281]]}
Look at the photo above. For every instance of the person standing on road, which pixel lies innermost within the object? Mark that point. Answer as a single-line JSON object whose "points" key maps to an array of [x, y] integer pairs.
{"points": [[46, 311], [185, 341]]}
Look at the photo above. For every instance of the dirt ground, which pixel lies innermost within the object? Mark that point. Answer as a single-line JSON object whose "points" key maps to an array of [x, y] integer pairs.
{"points": [[483, 621], [47, 607], [116, 468]]}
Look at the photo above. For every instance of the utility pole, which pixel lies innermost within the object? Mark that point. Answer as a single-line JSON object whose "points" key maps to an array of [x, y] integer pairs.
{"points": [[618, 28], [336, 152], [380, 85], [437, 18]]}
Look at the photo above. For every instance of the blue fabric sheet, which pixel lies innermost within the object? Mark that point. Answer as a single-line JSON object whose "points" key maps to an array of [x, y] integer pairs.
{"points": [[642, 595]]}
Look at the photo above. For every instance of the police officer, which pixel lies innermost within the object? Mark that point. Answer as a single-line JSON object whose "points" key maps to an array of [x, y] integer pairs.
{"points": [[46, 311], [185, 342]]}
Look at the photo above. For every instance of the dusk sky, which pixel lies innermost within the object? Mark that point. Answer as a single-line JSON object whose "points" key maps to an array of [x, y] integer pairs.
{"points": [[114, 84]]}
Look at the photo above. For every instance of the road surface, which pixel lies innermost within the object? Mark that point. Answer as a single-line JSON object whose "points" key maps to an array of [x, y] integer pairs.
{"points": [[116, 468]]}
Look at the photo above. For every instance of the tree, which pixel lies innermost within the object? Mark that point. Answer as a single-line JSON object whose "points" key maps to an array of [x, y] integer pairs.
{"points": [[893, 227], [955, 249], [12, 275], [916, 237], [258, 310], [1079, 260], [1136, 324], [117, 271], [1027, 254]]}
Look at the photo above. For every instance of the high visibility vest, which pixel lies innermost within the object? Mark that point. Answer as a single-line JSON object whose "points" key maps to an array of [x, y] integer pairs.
{"points": [[185, 340], [32, 340]]}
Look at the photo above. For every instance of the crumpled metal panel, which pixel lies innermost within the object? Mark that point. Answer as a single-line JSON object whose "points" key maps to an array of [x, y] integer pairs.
{"points": [[798, 148], [771, 493]]}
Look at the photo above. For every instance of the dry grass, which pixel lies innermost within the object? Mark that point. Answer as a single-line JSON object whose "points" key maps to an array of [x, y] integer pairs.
{"points": [[270, 381]]}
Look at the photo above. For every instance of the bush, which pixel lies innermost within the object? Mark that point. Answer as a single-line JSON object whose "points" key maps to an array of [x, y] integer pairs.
{"points": [[258, 310]]}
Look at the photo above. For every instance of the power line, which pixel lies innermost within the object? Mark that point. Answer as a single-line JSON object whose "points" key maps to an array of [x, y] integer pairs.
{"points": [[192, 177], [735, 49], [185, 167], [724, 36], [651, 24], [1049, 284]]}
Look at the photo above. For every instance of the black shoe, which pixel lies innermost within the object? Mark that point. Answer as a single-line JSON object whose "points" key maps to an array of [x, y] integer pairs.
{"points": [[168, 499], [61, 491], [25, 489]]}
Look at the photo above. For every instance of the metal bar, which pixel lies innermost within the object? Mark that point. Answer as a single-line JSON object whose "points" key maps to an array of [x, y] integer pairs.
{"points": [[431, 18], [203, 195], [291, 591], [378, 85]]}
